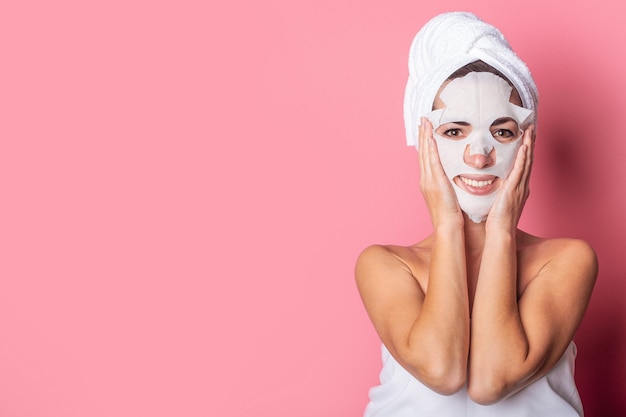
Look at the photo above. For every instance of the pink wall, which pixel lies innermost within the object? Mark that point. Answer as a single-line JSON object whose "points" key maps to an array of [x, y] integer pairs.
{"points": [[186, 187]]}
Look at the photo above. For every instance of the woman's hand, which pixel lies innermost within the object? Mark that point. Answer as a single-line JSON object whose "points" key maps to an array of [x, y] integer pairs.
{"points": [[507, 207], [435, 186]]}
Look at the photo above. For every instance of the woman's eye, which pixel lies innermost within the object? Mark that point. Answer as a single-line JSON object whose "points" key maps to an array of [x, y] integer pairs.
{"points": [[454, 133], [503, 134], [456, 130]]}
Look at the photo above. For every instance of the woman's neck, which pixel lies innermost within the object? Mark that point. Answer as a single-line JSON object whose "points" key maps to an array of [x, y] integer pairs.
{"points": [[474, 237]]}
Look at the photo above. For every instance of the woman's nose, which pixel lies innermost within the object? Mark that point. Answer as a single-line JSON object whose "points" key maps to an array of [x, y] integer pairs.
{"points": [[479, 155]]}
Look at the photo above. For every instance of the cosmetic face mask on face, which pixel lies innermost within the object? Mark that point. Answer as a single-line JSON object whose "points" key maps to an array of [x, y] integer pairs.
{"points": [[477, 100]]}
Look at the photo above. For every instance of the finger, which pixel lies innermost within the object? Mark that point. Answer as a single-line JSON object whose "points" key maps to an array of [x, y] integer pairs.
{"points": [[436, 166], [428, 145], [515, 177], [529, 141], [423, 149], [433, 154], [434, 162]]}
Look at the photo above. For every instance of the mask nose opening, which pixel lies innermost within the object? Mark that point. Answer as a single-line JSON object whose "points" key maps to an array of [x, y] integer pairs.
{"points": [[481, 145]]}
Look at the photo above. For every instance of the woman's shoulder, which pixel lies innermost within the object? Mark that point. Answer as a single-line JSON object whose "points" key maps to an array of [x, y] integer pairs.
{"points": [[551, 247], [387, 264], [547, 257], [409, 258], [408, 255]]}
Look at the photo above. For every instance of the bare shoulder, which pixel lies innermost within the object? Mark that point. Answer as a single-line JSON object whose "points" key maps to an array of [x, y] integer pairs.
{"points": [[408, 258], [393, 262], [554, 249], [564, 259]]}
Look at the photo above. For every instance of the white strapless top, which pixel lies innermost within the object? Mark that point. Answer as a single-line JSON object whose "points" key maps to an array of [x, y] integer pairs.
{"points": [[402, 395]]}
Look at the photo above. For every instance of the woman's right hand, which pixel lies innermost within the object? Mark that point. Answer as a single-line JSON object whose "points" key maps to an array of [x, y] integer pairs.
{"points": [[436, 188]]}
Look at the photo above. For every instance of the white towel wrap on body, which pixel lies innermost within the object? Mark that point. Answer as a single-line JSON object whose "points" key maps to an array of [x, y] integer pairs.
{"points": [[402, 395]]}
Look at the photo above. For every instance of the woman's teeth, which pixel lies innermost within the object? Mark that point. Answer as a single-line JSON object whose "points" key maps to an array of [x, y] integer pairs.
{"points": [[476, 184]]}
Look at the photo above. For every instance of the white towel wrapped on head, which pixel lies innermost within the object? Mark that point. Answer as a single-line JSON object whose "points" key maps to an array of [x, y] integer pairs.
{"points": [[445, 44]]}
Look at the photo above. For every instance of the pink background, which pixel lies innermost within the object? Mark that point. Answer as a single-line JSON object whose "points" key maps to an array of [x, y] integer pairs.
{"points": [[185, 189]]}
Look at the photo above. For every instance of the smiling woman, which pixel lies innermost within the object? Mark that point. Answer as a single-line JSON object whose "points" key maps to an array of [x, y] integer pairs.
{"points": [[472, 318], [477, 131]]}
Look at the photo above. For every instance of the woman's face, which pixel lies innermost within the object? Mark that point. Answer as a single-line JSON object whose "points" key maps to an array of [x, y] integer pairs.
{"points": [[477, 124]]}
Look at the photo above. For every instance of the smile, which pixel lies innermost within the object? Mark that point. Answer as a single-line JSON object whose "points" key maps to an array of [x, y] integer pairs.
{"points": [[475, 183]]}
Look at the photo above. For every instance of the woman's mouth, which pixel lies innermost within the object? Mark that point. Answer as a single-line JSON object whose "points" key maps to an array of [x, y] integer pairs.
{"points": [[477, 185]]}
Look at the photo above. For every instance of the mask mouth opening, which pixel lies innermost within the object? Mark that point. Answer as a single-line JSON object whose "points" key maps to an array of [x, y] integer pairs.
{"points": [[478, 185]]}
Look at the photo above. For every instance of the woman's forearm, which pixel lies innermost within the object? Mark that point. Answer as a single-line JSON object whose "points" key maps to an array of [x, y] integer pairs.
{"points": [[498, 342], [439, 339]]}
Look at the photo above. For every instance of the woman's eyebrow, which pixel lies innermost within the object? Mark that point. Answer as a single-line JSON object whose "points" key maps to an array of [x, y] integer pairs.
{"points": [[459, 123], [502, 120]]}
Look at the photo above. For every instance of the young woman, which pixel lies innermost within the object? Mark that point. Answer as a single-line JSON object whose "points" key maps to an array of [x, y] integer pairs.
{"points": [[478, 318]]}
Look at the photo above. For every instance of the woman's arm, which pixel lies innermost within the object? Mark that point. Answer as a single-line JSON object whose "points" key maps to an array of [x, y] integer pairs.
{"points": [[515, 342], [426, 330]]}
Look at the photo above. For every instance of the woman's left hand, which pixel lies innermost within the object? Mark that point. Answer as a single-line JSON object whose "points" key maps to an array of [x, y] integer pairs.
{"points": [[507, 207]]}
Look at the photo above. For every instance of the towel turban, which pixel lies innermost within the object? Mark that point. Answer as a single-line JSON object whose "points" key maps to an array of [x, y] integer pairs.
{"points": [[445, 44]]}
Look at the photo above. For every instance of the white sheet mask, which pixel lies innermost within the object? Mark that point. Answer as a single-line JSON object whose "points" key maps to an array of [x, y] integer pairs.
{"points": [[479, 98]]}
